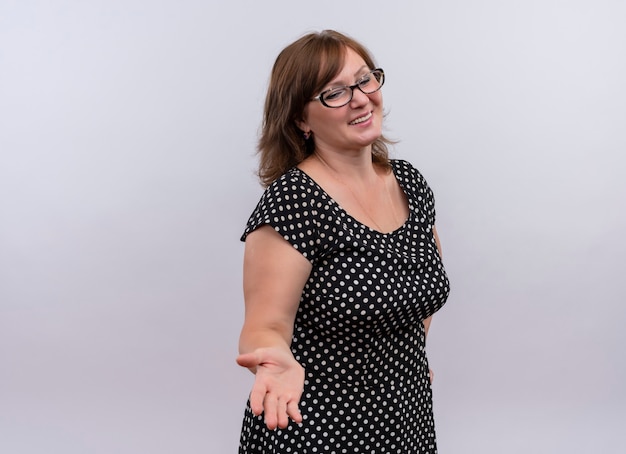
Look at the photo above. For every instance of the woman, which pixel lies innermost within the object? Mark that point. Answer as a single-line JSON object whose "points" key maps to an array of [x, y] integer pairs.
{"points": [[342, 269]]}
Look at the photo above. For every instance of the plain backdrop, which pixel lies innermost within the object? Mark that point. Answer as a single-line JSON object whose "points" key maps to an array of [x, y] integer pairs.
{"points": [[127, 156]]}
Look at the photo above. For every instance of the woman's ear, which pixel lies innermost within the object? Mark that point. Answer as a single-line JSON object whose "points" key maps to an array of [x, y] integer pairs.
{"points": [[302, 125]]}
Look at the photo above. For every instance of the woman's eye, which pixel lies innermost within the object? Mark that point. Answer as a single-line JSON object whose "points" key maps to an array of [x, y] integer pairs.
{"points": [[334, 94], [365, 80]]}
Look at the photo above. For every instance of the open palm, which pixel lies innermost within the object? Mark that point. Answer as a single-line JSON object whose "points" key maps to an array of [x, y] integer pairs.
{"points": [[277, 386]]}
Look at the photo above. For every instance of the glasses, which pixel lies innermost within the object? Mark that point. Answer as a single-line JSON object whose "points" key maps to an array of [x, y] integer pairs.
{"points": [[340, 96]]}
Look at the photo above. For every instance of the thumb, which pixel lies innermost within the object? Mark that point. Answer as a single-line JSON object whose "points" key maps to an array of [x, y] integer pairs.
{"points": [[249, 360]]}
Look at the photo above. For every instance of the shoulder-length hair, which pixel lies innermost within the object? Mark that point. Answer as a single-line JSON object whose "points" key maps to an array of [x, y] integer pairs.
{"points": [[300, 71]]}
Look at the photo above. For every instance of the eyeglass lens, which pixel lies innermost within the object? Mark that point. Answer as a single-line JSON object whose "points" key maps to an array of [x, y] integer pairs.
{"points": [[341, 96]]}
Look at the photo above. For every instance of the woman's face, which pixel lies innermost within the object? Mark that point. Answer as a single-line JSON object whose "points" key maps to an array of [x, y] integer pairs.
{"points": [[352, 127]]}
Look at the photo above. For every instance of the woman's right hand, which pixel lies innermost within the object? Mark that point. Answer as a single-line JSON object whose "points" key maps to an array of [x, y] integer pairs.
{"points": [[278, 385]]}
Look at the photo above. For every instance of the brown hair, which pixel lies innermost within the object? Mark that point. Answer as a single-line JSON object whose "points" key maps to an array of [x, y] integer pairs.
{"points": [[301, 70]]}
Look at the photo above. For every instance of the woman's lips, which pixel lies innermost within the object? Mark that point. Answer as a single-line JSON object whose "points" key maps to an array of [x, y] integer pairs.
{"points": [[365, 117]]}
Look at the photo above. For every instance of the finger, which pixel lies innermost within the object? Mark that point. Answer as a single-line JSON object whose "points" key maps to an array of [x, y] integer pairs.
{"points": [[293, 411], [257, 396], [281, 413], [431, 374], [270, 407]]}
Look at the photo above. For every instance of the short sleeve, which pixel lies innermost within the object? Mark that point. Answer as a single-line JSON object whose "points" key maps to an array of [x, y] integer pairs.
{"points": [[286, 206], [420, 192]]}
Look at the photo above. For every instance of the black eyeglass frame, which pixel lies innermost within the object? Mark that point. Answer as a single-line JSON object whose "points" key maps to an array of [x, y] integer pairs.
{"points": [[320, 97]]}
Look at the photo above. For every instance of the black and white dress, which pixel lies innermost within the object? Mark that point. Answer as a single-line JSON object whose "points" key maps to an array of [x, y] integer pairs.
{"points": [[358, 331]]}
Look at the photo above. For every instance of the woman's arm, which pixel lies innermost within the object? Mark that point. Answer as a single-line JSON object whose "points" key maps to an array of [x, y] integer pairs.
{"points": [[274, 275], [430, 319], [438, 243]]}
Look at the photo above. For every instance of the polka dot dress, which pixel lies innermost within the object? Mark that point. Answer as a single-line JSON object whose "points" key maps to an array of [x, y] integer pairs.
{"points": [[358, 330]]}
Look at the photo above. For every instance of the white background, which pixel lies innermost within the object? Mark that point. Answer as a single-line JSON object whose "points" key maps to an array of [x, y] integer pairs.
{"points": [[127, 138]]}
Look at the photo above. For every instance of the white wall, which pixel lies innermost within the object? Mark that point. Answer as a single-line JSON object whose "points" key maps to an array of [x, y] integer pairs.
{"points": [[127, 137]]}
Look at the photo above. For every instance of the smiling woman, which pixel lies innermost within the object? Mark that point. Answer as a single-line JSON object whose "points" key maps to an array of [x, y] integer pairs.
{"points": [[345, 129], [342, 268]]}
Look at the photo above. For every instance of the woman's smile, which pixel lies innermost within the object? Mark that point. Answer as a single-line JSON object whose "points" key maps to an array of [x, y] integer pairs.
{"points": [[362, 119]]}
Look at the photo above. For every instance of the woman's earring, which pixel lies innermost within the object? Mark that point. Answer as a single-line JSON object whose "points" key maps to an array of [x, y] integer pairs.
{"points": [[307, 135]]}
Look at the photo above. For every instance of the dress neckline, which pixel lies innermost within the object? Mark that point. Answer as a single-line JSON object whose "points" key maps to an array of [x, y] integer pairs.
{"points": [[355, 220]]}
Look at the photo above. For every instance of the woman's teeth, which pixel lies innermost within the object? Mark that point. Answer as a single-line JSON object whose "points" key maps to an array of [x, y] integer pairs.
{"points": [[361, 119]]}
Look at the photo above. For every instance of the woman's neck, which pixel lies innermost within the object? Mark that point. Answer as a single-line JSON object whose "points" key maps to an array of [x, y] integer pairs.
{"points": [[348, 166]]}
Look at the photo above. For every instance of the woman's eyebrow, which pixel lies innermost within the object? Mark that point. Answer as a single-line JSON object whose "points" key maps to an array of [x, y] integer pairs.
{"points": [[360, 70], [336, 83]]}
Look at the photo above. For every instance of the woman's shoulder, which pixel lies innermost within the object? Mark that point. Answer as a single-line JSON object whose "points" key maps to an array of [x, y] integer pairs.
{"points": [[293, 181], [407, 172], [294, 190], [289, 206]]}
